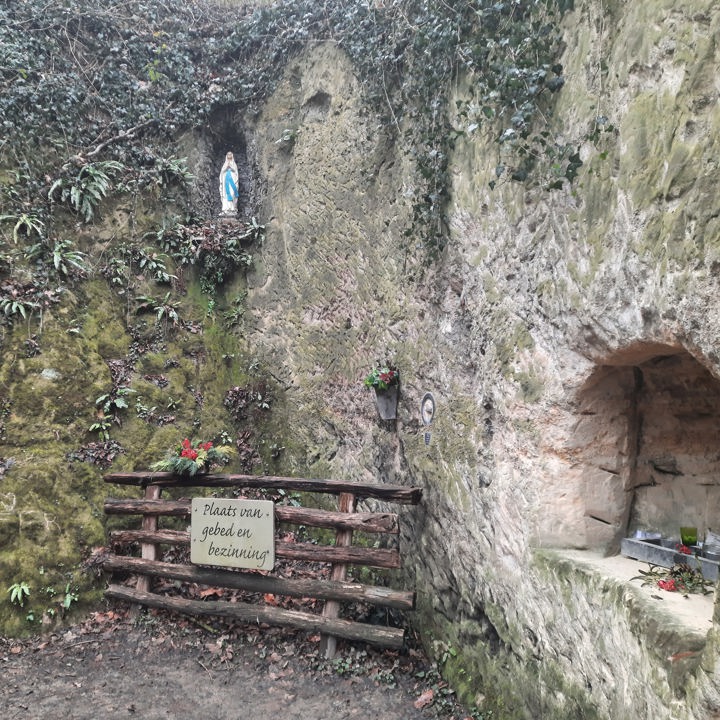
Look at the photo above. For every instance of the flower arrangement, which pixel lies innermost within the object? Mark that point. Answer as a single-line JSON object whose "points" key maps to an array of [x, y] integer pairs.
{"points": [[381, 378], [679, 578], [191, 458]]}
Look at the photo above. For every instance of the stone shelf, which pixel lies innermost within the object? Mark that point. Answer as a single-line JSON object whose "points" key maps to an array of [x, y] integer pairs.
{"points": [[666, 557]]}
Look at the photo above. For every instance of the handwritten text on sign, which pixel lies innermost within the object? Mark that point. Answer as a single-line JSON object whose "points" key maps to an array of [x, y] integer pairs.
{"points": [[233, 533]]}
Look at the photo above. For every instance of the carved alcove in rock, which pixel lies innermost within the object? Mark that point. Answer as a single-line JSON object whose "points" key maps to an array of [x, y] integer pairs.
{"points": [[645, 446], [206, 150]]}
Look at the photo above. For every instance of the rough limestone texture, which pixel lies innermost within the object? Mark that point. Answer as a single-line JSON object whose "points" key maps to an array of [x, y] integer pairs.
{"points": [[569, 339], [588, 321]]}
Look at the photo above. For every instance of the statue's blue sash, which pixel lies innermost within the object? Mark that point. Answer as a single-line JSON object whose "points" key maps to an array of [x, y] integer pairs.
{"points": [[231, 191]]}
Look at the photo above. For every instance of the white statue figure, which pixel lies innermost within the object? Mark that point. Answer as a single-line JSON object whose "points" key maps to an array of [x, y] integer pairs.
{"points": [[229, 185]]}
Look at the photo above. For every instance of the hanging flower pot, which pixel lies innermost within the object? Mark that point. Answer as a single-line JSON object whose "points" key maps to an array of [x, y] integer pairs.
{"points": [[387, 401], [385, 381]]}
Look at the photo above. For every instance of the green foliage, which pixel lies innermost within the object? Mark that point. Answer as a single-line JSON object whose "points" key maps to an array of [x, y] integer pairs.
{"points": [[109, 407], [112, 403], [61, 255], [84, 191], [11, 307], [153, 263], [147, 66], [67, 260], [166, 310], [171, 171], [69, 597], [102, 427], [20, 300], [217, 251], [19, 592], [234, 315], [26, 224]]}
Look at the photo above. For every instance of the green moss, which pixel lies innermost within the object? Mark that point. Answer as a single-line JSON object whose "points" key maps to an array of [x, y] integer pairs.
{"points": [[518, 338], [531, 386], [643, 132], [492, 293]]}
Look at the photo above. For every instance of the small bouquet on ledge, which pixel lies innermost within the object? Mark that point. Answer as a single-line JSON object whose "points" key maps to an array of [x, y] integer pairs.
{"points": [[192, 458]]}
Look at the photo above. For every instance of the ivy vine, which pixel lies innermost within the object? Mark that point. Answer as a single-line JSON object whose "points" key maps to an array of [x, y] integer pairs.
{"points": [[86, 84]]}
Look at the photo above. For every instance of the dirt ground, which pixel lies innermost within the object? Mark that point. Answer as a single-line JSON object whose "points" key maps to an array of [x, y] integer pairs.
{"points": [[151, 665]]}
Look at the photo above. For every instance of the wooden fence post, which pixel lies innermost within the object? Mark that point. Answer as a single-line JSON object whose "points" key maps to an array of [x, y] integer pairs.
{"points": [[343, 538], [148, 551]]}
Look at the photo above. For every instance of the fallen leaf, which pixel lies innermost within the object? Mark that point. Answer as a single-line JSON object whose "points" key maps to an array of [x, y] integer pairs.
{"points": [[424, 700], [211, 591]]}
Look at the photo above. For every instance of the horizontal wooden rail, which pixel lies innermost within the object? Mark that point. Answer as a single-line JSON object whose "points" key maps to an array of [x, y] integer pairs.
{"points": [[253, 582], [332, 590], [372, 557], [383, 636], [364, 522], [391, 493]]}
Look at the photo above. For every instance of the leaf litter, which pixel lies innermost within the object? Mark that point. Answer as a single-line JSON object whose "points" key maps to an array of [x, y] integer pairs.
{"points": [[126, 652]]}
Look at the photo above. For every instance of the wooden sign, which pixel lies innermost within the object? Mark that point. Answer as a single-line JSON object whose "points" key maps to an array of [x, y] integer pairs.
{"points": [[233, 533]]}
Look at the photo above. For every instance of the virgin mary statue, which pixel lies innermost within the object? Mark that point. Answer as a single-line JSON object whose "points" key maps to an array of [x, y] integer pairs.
{"points": [[229, 186]]}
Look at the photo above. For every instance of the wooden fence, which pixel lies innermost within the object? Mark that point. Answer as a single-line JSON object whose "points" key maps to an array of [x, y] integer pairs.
{"points": [[335, 590]]}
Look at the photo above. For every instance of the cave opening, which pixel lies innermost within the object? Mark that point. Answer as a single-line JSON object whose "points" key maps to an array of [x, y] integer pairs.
{"points": [[646, 438]]}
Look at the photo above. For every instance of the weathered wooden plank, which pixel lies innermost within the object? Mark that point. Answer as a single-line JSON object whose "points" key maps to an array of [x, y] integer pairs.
{"points": [[253, 582], [161, 537], [364, 522], [390, 493], [383, 636], [125, 506], [372, 557]]}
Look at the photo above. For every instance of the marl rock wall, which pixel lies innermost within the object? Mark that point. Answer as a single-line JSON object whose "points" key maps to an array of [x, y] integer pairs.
{"points": [[568, 337], [550, 333]]}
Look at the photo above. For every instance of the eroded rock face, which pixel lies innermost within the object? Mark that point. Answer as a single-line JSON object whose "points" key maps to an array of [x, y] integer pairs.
{"points": [[569, 339]]}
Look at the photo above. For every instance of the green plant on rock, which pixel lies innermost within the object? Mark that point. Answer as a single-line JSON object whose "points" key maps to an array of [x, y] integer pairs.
{"points": [[19, 299], [101, 426], [108, 411], [170, 171], [155, 264], [253, 231], [66, 259], [84, 191], [166, 310], [26, 224], [112, 403], [234, 315], [11, 307], [117, 271], [60, 255], [19, 592], [70, 596]]}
